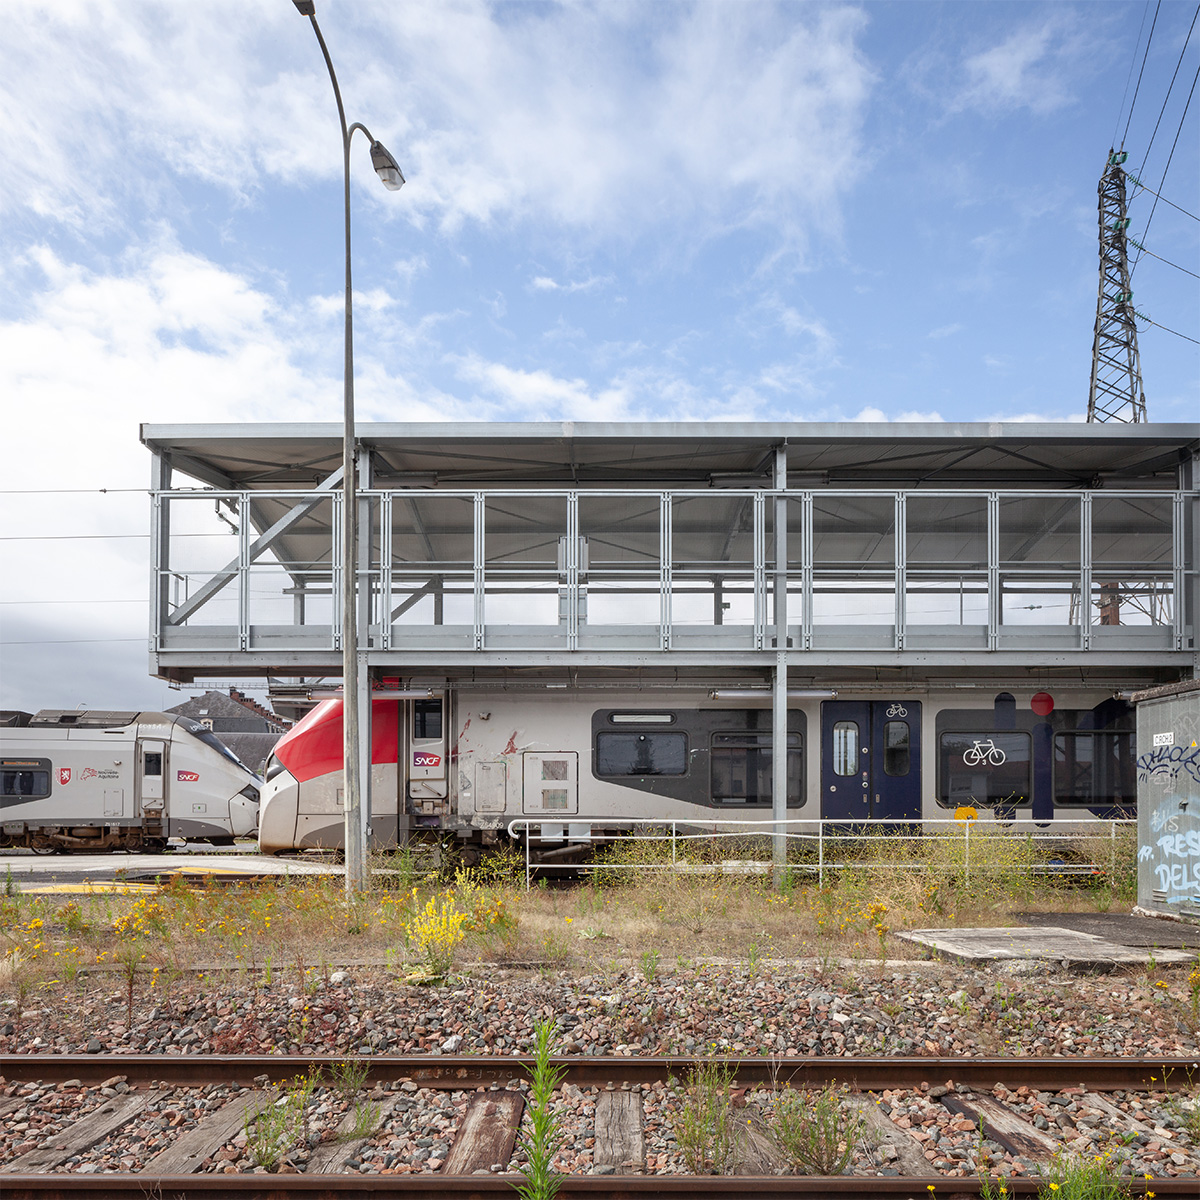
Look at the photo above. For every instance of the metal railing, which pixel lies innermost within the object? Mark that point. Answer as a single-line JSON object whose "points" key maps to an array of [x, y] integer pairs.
{"points": [[826, 837]]}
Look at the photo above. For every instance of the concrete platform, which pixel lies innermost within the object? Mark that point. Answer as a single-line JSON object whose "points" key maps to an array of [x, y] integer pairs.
{"points": [[1072, 948]]}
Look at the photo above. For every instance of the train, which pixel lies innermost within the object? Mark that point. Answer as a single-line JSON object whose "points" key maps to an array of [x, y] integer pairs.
{"points": [[104, 781], [579, 766]]}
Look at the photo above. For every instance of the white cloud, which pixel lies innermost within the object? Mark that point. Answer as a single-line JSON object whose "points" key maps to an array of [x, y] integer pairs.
{"points": [[544, 283], [736, 114], [1033, 67], [944, 331]]}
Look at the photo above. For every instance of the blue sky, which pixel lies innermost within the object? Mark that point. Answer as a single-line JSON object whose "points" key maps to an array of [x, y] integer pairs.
{"points": [[614, 211]]}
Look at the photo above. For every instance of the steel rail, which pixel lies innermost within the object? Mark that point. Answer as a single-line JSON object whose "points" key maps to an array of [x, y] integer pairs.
{"points": [[451, 1072], [434, 1187]]}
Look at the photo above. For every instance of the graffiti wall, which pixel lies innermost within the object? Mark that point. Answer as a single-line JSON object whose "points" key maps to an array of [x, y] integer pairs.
{"points": [[1168, 775]]}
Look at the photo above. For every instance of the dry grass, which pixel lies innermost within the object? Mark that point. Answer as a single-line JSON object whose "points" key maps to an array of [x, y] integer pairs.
{"points": [[618, 915]]}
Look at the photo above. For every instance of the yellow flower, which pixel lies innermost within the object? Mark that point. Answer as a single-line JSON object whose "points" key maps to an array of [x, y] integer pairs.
{"points": [[1054, 1187]]}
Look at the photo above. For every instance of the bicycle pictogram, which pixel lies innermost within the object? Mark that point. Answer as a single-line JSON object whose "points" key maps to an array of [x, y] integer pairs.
{"points": [[897, 710], [984, 752]]}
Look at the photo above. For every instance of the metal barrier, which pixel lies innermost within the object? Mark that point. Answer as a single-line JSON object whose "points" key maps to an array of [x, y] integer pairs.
{"points": [[822, 834]]}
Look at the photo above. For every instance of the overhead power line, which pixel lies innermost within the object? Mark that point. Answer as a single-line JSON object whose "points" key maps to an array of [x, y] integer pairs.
{"points": [[1129, 75], [1142, 317], [1174, 144], [1152, 192], [1135, 242], [1161, 111], [1141, 69]]}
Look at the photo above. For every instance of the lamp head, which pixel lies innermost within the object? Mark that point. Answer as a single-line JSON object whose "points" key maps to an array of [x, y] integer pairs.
{"points": [[386, 167], [306, 8]]}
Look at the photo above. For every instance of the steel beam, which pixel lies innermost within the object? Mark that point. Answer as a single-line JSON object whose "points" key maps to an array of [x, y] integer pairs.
{"points": [[263, 542]]}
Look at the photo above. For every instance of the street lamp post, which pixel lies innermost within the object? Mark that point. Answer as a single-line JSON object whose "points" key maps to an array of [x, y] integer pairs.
{"points": [[388, 171]]}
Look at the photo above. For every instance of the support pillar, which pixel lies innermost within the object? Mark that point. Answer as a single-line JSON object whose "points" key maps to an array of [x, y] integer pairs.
{"points": [[779, 691]]}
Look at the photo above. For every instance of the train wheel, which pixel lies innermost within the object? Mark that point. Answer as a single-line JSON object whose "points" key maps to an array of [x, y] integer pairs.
{"points": [[44, 845]]}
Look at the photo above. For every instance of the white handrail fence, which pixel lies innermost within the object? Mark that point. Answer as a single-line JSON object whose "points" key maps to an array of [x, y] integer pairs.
{"points": [[824, 834]]}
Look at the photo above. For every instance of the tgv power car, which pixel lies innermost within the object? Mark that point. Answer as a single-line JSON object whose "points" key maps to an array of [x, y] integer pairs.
{"points": [[118, 781]]}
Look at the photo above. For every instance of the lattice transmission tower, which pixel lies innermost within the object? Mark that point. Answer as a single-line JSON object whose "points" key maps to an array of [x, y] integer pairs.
{"points": [[1116, 390]]}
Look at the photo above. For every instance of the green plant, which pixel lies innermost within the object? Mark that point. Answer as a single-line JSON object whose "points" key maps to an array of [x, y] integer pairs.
{"points": [[436, 931], [753, 959], [704, 1126], [348, 1076], [544, 1136], [817, 1132], [272, 1130], [10, 884], [1082, 1177], [649, 963], [991, 1187], [366, 1119]]}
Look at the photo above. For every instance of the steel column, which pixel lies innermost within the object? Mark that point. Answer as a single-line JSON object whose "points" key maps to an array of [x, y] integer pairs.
{"points": [[779, 698]]}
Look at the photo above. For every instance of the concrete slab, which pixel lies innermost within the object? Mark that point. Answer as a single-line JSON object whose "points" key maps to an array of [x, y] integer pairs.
{"points": [[28, 871], [1047, 943]]}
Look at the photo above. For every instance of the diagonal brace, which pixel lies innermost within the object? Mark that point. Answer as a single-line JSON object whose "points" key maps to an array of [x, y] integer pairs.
{"points": [[261, 543]]}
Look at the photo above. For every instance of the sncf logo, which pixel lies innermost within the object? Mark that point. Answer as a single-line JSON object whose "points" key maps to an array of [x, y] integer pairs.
{"points": [[426, 760], [188, 777]]}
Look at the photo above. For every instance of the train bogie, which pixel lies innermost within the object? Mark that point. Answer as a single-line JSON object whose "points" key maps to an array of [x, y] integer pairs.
{"points": [[562, 765], [119, 781]]}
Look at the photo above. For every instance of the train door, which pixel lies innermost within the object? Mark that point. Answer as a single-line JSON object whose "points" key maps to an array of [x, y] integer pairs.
{"points": [[427, 761], [871, 759], [152, 773]]}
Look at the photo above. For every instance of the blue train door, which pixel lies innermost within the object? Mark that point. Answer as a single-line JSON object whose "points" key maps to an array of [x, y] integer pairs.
{"points": [[871, 759]]}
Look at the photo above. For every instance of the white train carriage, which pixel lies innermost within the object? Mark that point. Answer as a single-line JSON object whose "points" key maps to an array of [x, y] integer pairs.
{"points": [[472, 760], [77, 780]]}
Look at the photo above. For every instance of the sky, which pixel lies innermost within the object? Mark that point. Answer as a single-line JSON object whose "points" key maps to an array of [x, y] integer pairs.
{"points": [[617, 211]]}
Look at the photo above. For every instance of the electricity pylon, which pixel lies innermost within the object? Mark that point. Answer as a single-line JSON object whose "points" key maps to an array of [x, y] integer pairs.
{"points": [[1116, 390]]}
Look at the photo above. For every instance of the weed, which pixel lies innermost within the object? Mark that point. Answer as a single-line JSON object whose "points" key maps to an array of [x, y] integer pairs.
{"points": [[704, 1127], [347, 1077], [817, 1132], [366, 1119], [1082, 1177], [544, 1137], [436, 931], [753, 959], [649, 963], [273, 1130], [10, 884]]}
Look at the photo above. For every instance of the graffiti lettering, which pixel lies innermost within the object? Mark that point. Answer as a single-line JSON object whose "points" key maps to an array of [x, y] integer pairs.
{"points": [[1164, 764], [1181, 845], [1178, 875]]}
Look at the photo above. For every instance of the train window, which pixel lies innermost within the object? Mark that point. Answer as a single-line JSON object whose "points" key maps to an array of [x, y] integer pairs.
{"points": [[897, 751], [641, 718], [153, 764], [1094, 768], [845, 748], [27, 778], [741, 767], [984, 768], [427, 719], [641, 754]]}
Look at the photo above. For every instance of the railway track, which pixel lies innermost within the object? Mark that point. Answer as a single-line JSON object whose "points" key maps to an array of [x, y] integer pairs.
{"points": [[129, 1127]]}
